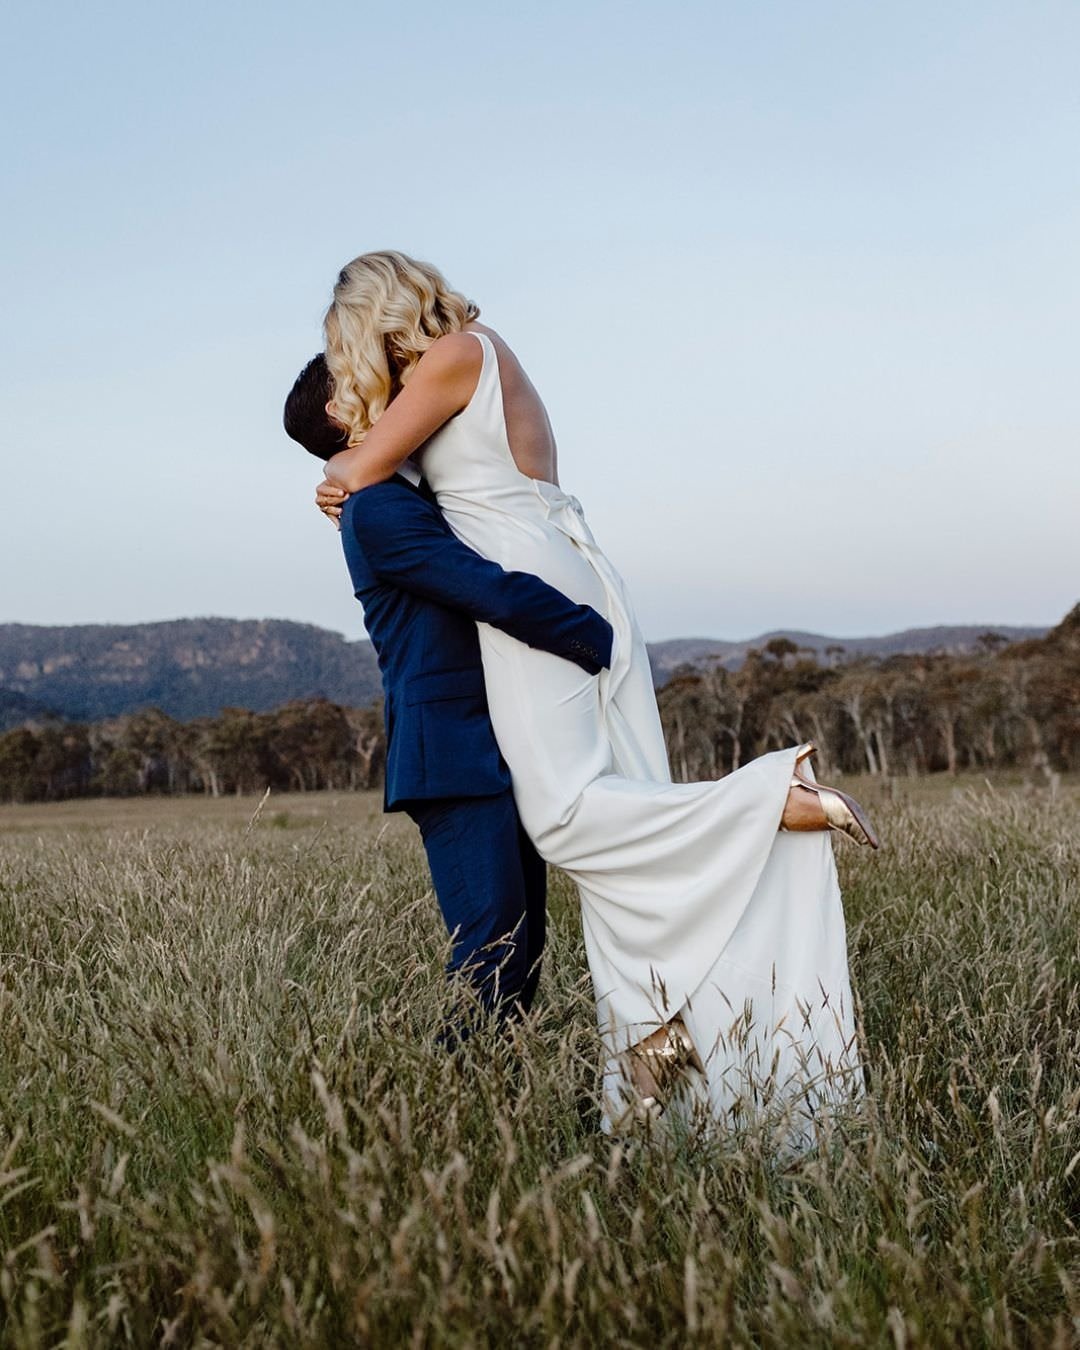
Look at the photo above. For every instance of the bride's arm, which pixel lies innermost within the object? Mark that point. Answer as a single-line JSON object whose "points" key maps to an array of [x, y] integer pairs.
{"points": [[440, 385]]}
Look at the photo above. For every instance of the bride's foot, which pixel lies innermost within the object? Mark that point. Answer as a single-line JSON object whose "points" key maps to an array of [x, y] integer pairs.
{"points": [[810, 806], [653, 1068]]}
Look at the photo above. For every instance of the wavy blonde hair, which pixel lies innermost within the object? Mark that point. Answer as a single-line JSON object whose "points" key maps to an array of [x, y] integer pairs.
{"points": [[387, 310]]}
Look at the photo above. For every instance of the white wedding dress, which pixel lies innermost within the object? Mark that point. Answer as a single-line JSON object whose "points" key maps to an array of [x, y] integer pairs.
{"points": [[691, 899]]}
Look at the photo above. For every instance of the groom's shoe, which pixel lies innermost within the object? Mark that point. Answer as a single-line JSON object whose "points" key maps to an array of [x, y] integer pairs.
{"points": [[842, 813]]}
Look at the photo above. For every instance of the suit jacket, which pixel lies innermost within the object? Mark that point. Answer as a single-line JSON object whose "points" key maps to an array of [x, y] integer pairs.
{"points": [[423, 592]]}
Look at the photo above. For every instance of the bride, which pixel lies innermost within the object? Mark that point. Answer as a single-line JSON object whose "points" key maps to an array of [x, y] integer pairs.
{"points": [[711, 911]]}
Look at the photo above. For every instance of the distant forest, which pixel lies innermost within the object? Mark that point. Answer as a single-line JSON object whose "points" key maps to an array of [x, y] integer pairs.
{"points": [[1005, 705]]}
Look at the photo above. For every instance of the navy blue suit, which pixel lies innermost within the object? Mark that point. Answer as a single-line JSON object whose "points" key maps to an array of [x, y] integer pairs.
{"points": [[423, 592]]}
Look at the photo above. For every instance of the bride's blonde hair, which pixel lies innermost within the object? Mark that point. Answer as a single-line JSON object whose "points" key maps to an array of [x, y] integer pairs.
{"points": [[387, 310]]}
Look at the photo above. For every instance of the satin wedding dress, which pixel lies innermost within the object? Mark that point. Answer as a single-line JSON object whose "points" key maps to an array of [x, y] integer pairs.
{"points": [[691, 899]]}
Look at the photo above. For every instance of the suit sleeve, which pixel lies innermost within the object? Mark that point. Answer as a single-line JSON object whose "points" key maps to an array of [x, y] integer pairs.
{"points": [[408, 543]]}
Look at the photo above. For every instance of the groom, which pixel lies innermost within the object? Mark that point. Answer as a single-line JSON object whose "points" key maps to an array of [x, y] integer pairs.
{"points": [[423, 592]]}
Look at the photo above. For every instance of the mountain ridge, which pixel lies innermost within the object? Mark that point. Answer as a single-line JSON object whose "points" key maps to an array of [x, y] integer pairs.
{"points": [[954, 639], [195, 667], [187, 667]]}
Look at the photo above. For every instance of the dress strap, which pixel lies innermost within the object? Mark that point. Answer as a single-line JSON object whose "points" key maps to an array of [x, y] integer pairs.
{"points": [[487, 399], [486, 362]]}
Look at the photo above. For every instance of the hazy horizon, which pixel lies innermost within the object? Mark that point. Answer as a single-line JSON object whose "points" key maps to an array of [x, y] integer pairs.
{"points": [[779, 273], [361, 635]]}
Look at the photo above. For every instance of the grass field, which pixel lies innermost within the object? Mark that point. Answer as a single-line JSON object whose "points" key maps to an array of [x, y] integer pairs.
{"points": [[224, 1120]]}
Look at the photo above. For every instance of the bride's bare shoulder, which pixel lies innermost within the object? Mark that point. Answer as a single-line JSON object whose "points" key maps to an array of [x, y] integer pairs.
{"points": [[497, 338], [453, 349], [454, 357]]}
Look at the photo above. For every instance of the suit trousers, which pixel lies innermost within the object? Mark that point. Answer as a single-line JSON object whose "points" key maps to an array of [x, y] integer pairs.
{"points": [[491, 886]]}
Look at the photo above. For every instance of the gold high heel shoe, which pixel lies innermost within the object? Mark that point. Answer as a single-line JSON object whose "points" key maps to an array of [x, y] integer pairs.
{"points": [[842, 813], [665, 1062]]}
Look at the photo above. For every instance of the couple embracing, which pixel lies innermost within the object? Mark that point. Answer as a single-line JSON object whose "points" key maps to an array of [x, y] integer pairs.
{"points": [[522, 730]]}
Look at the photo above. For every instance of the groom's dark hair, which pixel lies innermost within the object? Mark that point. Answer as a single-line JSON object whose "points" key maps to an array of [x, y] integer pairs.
{"points": [[305, 416]]}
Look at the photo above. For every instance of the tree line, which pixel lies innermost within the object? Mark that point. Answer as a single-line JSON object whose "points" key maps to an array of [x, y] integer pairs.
{"points": [[1005, 706], [302, 746], [1011, 705]]}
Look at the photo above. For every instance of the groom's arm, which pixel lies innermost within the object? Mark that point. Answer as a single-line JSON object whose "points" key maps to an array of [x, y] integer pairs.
{"points": [[408, 543]]}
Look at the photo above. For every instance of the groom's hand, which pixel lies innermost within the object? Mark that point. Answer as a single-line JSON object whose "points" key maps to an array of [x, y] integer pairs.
{"points": [[330, 498]]}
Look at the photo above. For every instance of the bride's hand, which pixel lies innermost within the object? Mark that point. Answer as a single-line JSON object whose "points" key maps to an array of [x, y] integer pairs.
{"points": [[330, 498]]}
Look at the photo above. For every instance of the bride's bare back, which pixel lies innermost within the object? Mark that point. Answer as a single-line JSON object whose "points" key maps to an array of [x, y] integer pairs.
{"points": [[528, 428]]}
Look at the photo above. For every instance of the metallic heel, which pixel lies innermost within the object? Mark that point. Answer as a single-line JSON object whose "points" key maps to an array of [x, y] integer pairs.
{"points": [[665, 1062], [842, 813]]}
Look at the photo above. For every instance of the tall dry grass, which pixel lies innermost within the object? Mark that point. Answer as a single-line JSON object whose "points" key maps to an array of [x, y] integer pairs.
{"points": [[224, 1119]]}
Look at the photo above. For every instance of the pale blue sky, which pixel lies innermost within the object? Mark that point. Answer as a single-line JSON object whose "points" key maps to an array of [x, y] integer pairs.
{"points": [[798, 282]]}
